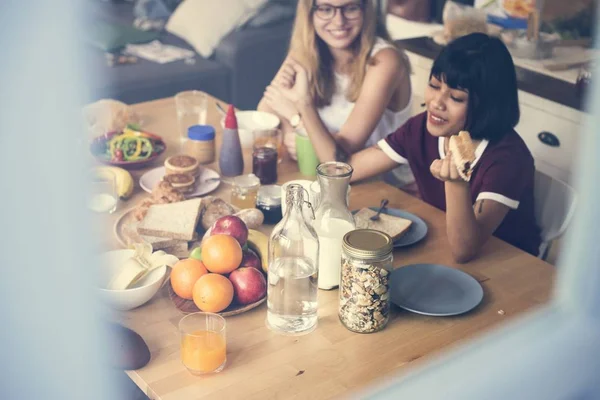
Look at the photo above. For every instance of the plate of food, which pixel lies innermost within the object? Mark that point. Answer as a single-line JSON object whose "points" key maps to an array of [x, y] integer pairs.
{"points": [[404, 228], [230, 278], [225, 273], [167, 227], [127, 148], [183, 173]]}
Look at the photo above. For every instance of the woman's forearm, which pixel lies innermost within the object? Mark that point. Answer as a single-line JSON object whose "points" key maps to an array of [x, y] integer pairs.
{"points": [[325, 146], [461, 225]]}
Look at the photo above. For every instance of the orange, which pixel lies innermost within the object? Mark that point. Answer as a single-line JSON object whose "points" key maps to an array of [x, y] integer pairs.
{"points": [[221, 254], [184, 275], [213, 293]]}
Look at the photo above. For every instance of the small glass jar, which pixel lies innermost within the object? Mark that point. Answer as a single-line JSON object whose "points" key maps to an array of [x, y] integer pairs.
{"points": [[201, 143], [244, 191], [264, 164], [365, 280], [269, 202]]}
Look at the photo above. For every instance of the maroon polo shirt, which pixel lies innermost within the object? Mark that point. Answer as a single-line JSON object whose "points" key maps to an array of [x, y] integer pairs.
{"points": [[503, 171]]}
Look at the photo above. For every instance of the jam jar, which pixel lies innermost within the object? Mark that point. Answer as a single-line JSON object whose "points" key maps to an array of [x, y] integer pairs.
{"points": [[264, 164], [269, 202]]}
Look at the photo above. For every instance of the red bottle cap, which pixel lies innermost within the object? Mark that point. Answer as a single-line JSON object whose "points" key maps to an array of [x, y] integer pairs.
{"points": [[230, 120]]}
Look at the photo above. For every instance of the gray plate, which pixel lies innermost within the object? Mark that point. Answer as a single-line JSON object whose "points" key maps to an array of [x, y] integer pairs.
{"points": [[416, 232], [436, 290]]}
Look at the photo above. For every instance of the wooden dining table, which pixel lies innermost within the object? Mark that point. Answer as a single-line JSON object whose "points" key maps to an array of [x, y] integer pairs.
{"points": [[331, 361]]}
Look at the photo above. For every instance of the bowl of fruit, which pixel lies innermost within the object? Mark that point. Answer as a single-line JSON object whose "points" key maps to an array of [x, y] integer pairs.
{"points": [[130, 148], [226, 274]]}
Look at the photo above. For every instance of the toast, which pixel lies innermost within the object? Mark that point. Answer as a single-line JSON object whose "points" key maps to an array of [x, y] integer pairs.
{"points": [[160, 243], [180, 250], [172, 220], [395, 227], [463, 154]]}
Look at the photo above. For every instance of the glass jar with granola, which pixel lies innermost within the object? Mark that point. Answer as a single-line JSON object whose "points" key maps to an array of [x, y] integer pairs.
{"points": [[364, 287]]}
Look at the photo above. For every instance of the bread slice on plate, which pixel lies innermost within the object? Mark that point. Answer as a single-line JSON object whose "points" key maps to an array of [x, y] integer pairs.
{"points": [[160, 243], [179, 250], [393, 226], [173, 220]]}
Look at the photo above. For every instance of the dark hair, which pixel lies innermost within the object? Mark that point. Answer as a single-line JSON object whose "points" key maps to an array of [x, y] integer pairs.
{"points": [[482, 65]]}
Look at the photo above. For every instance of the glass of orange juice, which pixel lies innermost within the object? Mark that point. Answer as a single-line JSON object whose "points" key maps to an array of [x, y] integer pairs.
{"points": [[203, 342]]}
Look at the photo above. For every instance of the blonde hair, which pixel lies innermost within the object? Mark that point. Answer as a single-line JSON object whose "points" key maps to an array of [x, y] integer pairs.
{"points": [[312, 52]]}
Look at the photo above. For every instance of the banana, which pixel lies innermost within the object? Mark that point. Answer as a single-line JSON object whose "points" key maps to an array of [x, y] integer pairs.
{"points": [[124, 180], [130, 273], [259, 242]]}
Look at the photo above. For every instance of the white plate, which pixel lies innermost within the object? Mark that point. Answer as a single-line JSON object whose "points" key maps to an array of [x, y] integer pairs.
{"points": [[151, 178]]}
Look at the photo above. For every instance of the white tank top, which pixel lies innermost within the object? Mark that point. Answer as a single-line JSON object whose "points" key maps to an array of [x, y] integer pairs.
{"points": [[336, 114]]}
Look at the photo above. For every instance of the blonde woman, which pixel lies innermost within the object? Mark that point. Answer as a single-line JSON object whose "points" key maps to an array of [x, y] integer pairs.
{"points": [[359, 81]]}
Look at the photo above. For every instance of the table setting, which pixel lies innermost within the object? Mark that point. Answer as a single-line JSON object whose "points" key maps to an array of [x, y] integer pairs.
{"points": [[273, 274]]}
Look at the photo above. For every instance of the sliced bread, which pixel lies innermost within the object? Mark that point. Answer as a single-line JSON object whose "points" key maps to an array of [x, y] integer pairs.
{"points": [[179, 250], [393, 226], [160, 243], [173, 220]]}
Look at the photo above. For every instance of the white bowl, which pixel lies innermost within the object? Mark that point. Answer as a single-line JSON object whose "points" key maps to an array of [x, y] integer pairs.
{"points": [[249, 121], [109, 264]]}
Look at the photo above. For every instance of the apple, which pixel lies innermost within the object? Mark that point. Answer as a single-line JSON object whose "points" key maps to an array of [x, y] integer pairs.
{"points": [[249, 285], [196, 253], [232, 226], [250, 259]]}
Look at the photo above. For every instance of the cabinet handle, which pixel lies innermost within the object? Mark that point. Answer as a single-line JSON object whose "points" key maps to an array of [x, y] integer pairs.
{"points": [[549, 138]]}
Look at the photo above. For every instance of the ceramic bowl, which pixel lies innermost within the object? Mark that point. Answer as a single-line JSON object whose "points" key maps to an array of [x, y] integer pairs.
{"points": [[99, 143], [249, 121], [109, 264]]}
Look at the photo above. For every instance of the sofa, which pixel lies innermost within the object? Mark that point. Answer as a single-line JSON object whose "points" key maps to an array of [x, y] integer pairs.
{"points": [[242, 66]]}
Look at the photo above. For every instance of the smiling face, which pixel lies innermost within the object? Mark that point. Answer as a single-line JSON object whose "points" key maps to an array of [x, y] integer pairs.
{"points": [[338, 29], [446, 108]]}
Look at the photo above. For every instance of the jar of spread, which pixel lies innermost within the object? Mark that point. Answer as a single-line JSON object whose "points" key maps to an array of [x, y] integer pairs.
{"points": [[365, 280], [201, 143], [244, 191], [264, 164], [269, 202]]}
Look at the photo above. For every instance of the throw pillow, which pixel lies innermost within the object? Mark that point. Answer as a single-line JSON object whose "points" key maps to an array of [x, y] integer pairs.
{"points": [[204, 23]]}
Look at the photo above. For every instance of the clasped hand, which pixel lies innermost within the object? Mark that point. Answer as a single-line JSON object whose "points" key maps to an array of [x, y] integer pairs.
{"points": [[289, 90], [445, 170]]}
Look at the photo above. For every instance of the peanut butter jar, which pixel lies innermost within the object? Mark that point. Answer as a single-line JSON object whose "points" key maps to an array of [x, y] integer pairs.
{"points": [[201, 143]]}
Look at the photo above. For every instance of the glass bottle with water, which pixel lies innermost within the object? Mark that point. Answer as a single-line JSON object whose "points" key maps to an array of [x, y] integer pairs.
{"points": [[293, 269]]}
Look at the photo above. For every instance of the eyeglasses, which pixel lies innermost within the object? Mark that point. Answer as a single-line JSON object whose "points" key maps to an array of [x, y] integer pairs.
{"points": [[327, 11]]}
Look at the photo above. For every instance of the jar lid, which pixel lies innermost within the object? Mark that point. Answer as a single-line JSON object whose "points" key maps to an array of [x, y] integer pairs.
{"points": [[249, 181], [367, 244], [269, 195], [201, 132]]}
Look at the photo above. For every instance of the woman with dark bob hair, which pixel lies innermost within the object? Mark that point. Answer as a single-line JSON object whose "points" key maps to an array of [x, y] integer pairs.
{"points": [[473, 87]]}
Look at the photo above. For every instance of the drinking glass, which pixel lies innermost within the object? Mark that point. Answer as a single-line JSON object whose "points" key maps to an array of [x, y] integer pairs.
{"points": [[103, 196], [203, 342], [272, 138], [191, 108]]}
